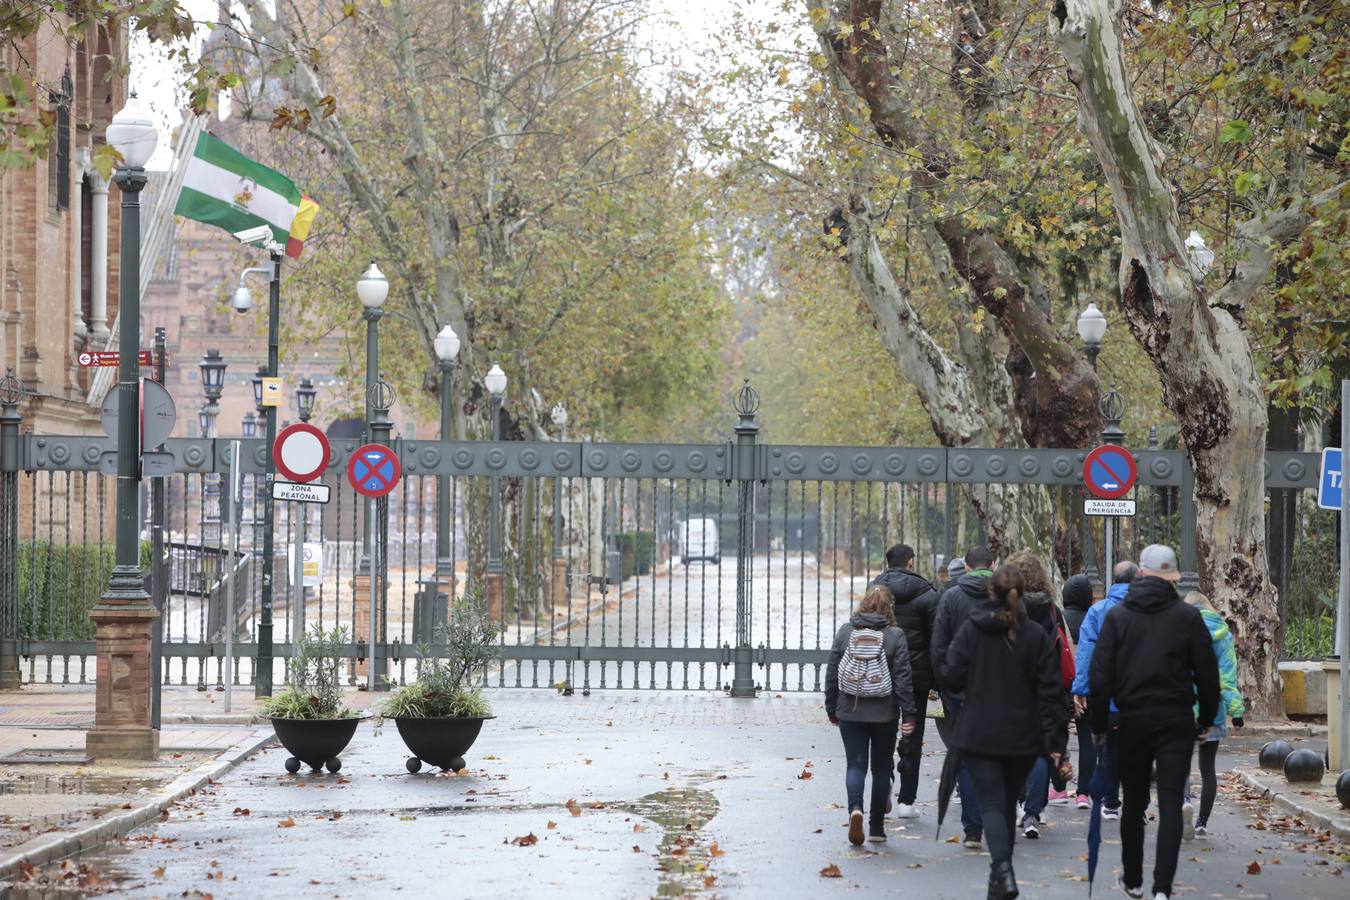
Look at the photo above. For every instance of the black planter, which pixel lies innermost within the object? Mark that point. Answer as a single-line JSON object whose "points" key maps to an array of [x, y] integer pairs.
{"points": [[315, 742], [438, 741]]}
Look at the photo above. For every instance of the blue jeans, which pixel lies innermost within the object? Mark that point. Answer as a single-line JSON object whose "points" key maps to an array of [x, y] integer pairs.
{"points": [[965, 787], [1034, 793], [864, 743]]}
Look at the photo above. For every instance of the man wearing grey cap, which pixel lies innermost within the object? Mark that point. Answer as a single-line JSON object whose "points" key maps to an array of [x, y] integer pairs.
{"points": [[1153, 656]]}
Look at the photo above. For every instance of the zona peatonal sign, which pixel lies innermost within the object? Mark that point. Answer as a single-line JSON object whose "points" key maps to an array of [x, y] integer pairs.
{"points": [[300, 492]]}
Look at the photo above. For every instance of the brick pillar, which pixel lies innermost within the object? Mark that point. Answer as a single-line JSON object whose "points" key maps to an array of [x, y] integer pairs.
{"points": [[124, 681], [560, 590], [496, 595]]}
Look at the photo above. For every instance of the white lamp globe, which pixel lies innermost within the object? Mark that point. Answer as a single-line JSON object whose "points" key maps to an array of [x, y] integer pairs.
{"points": [[133, 134], [446, 344], [559, 415], [1091, 324], [372, 288], [495, 381]]}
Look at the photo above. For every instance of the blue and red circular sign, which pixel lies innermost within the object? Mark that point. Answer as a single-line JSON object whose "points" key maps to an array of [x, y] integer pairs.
{"points": [[373, 470], [1110, 471]]}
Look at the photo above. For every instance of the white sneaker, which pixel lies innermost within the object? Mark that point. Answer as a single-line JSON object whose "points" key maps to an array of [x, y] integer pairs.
{"points": [[1111, 813], [1128, 891], [906, 811], [1187, 822], [1160, 896]]}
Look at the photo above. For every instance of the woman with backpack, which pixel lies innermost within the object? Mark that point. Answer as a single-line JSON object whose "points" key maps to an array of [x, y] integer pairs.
{"points": [[1013, 703], [1048, 781], [868, 690]]}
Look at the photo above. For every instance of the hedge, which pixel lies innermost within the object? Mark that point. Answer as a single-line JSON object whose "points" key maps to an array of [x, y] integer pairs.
{"points": [[638, 549], [60, 583]]}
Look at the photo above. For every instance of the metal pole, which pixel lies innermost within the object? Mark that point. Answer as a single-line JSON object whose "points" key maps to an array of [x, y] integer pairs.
{"points": [[372, 317], [11, 393], [298, 585], [233, 566], [443, 511], [159, 586], [126, 585], [1343, 609], [374, 599], [494, 560], [744, 472], [262, 674]]}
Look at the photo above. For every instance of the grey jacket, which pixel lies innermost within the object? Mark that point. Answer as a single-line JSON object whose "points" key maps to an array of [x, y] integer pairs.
{"points": [[871, 709]]}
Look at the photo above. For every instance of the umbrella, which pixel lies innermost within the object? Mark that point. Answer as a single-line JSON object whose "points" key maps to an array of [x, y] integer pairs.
{"points": [[951, 768], [1098, 788]]}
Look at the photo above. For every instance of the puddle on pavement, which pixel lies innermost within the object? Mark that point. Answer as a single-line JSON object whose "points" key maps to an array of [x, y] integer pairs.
{"points": [[685, 853], [76, 784]]}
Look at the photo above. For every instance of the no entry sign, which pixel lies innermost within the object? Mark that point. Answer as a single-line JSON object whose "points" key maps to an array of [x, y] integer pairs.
{"points": [[1109, 471], [301, 452], [373, 470]]}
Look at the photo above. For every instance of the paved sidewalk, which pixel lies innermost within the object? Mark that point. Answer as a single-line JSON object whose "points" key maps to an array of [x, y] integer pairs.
{"points": [[639, 794]]}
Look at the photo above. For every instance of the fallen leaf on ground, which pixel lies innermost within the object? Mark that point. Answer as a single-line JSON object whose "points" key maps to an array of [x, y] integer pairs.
{"points": [[831, 871], [597, 805], [715, 850], [1254, 868], [637, 849], [240, 811], [573, 808], [158, 873], [588, 762], [679, 851], [287, 822], [637, 827], [953, 840], [914, 865], [489, 756], [552, 825], [806, 773], [665, 775], [26, 870], [709, 880], [525, 840], [818, 831]]}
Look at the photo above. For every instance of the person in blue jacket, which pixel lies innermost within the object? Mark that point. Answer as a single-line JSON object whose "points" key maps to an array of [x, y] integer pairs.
{"points": [[1121, 576], [1231, 707]]}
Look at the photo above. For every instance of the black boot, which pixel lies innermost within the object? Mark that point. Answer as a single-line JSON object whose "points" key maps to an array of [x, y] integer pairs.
{"points": [[1002, 883]]}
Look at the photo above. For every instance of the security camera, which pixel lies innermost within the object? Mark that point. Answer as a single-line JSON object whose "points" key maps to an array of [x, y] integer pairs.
{"points": [[243, 300], [254, 235]]}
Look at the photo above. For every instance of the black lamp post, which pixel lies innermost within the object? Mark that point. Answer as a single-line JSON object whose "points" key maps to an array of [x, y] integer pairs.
{"points": [[304, 399], [258, 389], [446, 346], [250, 424], [1091, 329], [495, 381], [371, 289]]}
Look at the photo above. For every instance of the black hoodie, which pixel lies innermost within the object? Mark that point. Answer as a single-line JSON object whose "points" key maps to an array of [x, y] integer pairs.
{"points": [[1077, 597], [916, 602], [1014, 698], [958, 602], [1154, 656]]}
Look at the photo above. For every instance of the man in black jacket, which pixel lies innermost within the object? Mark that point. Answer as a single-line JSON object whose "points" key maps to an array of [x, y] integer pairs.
{"points": [[916, 603], [1154, 656], [969, 593]]}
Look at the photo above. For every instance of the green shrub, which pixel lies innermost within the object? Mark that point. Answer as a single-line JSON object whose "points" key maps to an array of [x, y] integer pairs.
{"points": [[1309, 637], [60, 583], [638, 549], [314, 679], [444, 684]]}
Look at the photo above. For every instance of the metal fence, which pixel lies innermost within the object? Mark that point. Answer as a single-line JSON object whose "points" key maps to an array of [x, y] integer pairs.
{"points": [[597, 590]]}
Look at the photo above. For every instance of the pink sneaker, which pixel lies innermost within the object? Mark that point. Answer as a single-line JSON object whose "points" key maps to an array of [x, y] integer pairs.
{"points": [[1058, 798], [1084, 801]]}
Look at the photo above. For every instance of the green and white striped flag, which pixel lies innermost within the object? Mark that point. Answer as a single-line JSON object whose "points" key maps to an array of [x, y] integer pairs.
{"points": [[224, 187]]}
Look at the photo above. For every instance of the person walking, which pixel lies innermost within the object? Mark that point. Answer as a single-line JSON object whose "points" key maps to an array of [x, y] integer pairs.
{"points": [[1050, 772], [968, 593], [1014, 700], [1121, 576], [1154, 656], [915, 604], [868, 693], [1076, 595], [1231, 706]]}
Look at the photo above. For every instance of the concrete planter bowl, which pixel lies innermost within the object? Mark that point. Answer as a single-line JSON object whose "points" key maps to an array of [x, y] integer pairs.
{"points": [[315, 742], [440, 741]]}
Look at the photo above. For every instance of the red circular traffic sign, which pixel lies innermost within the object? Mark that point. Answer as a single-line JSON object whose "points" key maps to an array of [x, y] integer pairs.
{"points": [[373, 470], [301, 452], [1110, 471]]}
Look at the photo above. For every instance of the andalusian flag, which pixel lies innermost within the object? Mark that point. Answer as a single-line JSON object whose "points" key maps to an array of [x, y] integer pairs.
{"points": [[224, 187]]}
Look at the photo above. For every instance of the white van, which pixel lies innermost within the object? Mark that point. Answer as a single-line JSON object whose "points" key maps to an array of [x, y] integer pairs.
{"points": [[699, 540]]}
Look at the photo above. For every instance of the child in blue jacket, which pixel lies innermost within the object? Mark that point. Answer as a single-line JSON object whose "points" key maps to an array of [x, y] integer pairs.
{"points": [[1231, 707]]}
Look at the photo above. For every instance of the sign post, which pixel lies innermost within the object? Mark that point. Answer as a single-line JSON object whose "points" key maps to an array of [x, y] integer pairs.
{"points": [[1109, 473], [373, 471], [301, 453], [233, 570], [1343, 606]]}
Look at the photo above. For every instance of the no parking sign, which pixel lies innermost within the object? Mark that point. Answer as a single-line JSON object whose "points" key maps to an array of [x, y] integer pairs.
{"points": [[373, 470], [1110, 471]]}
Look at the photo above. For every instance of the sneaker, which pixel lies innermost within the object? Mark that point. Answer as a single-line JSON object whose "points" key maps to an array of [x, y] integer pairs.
{"points": [[1128, 891], [974, 839], [1083, 801], [1112, 812], [1031, 827], [1201, 829], [1059, 798], [906, 811], [876, 834], [855, 828], [1160, 896], [1187, 822]]}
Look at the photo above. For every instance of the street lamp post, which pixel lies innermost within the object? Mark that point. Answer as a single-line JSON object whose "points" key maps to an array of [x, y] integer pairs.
{"points": [[446, 346], [1091, 329], [212, 369], [560, 592], [371, 290], [249, 425], [495, 382], [125, 617]]}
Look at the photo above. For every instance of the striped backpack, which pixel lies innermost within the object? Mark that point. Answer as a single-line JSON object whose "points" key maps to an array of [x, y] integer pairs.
{"points": [[863, 670]]}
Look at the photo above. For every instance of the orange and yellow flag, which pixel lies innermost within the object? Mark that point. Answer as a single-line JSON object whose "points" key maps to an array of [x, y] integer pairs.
{"points": [[304, 221]]}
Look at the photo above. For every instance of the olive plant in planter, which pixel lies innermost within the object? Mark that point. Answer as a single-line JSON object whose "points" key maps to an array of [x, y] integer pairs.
{"points": [[308, 716], [440, 714]]}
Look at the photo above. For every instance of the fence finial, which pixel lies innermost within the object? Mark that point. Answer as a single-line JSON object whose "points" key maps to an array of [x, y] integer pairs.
{"points": [[12, 390], [746, 403]]}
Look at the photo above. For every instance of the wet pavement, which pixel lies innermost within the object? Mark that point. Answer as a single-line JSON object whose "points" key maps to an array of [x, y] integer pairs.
{"points": [[622, 794]]}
